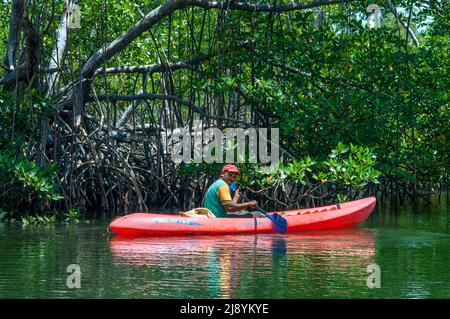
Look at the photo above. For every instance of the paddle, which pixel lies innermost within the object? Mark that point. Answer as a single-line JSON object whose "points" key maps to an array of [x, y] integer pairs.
{"points": [[279, 223]]}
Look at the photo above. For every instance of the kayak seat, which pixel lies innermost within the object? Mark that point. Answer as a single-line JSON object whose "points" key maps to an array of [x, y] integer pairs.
{"points": [[198, 212]]}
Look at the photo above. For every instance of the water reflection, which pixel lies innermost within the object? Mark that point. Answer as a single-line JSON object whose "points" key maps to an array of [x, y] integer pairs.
{"points": [[236, 266], [414, 261], [147, 250]]}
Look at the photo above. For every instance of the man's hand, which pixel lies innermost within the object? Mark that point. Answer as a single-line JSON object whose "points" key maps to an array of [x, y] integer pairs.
{"points": [[236, 196]]}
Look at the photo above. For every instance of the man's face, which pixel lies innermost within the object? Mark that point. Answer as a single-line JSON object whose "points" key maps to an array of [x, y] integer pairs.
{"points": [[229, 177]]}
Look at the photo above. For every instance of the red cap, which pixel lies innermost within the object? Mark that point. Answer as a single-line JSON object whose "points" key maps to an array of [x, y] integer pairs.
{"points": [[231, 168]]}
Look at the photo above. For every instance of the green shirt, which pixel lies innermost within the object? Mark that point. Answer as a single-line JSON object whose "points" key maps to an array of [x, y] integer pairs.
{"points": [[217, 195]]}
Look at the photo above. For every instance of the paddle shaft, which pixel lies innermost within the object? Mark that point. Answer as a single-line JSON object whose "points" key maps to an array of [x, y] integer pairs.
{"points": [[261, 210], [279, 223], [246, 198]]}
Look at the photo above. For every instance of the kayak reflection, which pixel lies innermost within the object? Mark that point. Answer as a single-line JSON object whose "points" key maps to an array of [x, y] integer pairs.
{"points": [[224, 264], [147, 250]]}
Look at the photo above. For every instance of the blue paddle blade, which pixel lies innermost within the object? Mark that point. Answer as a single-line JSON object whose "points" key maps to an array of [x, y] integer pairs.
{"points": [[279, 224]]}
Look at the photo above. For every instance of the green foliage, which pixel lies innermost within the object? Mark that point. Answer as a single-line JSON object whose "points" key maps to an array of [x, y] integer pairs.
{"points": [[73, 215], [3, 214], [38, 220], [24, 185], [19, 120], [37, 182], [352, 166], [347, 169], [346, 83], [342, 198]]}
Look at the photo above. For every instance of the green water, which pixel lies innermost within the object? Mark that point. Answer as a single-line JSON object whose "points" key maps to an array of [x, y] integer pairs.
{"points": [[411, 248]]}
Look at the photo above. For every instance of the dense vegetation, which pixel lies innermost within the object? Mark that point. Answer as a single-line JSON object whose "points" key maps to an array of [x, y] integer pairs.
{"points": [[86, 114]]}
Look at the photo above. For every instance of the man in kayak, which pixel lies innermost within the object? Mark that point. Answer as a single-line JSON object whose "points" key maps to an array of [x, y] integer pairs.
{"points": [[218, 196]]}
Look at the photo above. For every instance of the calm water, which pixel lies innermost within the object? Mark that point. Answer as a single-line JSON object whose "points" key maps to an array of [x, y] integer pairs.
{"points": [[411, 247]]}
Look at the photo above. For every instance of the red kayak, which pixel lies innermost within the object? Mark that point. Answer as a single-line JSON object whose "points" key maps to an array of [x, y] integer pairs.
{"points": [[320, 218]]}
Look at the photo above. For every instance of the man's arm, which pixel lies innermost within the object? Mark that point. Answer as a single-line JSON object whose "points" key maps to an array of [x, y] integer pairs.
{"points": [[235, 207]]}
